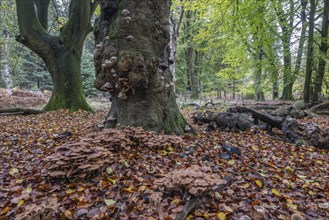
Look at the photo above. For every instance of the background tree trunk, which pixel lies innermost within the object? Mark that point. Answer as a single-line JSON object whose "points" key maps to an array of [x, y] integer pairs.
{"points": [[174, 32], [302, 39], [286, 22], [4, 63], [323, 53], [258, 75], [309, 60], [191, 56], [275, 83], [131, 61]]}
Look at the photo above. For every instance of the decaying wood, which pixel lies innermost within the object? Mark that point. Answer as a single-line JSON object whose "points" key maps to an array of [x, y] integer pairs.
{"points": [[20, 111], [273, 121], [193, 202], [293, 131], [321, 109]]}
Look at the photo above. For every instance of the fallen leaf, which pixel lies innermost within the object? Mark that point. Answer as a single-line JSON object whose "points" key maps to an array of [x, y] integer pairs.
{"points": [[324, 205], [109, 170], [259, 183], [21, 202], [68, 214], [113, 181], [178, 209], [5, 210], [131, 190], [13, 171], [228, 209], [276, 192], [221, 216], [109, 202]]}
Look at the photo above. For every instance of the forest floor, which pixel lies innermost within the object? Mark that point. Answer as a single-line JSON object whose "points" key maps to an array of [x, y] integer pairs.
{"points": [[278, 176]]}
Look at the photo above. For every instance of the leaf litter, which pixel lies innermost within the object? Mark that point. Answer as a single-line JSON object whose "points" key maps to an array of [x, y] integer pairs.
{"points": [[135, 174]]}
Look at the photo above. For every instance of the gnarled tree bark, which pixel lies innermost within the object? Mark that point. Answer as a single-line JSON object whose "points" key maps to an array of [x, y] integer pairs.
{"points": [[131, 61], [61, 54]]}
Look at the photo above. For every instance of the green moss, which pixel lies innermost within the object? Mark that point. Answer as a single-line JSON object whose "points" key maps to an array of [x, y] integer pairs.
{"points": [[61, 101], [176, 125], [68, 89]]}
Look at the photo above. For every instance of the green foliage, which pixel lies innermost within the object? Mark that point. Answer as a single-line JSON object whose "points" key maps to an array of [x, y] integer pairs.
{"points": [[88, 73], [232, 34]]}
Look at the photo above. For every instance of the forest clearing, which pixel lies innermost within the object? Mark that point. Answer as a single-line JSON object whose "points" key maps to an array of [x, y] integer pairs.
{"points": [[164, 109]]}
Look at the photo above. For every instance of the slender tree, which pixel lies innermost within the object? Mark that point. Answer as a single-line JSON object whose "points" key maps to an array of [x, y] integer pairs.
{"points": [[323, 52], [191, 53], [286, 22], [5, 25], [4, 62], [62, 53], [309, 59], [302, 40], [174, 33], [131, 61]]}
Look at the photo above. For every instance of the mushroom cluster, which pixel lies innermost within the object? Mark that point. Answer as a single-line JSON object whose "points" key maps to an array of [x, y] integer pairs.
{"points": [[92, 153], [77, 160], [130, 137], [150, 139], [196, 180]]}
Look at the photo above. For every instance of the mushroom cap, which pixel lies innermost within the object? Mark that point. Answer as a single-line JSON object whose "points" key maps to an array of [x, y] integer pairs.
{"points": [[195, 179]]}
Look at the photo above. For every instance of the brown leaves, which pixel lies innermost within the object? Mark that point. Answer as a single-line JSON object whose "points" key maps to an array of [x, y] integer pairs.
{"points": [[125, 187], [21, 98]]}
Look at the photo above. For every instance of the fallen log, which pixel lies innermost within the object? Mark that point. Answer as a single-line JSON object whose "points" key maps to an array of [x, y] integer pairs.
{"points": [[321, 109], [20, 111], [293, 131], [273, 121]]}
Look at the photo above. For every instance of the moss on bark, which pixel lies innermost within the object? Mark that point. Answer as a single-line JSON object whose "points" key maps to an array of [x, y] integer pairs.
{"points": [[62, 53]]}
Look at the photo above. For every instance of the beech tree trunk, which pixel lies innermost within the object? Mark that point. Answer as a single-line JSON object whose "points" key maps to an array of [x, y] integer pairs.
{"points": [[174, 32], [275, 84], [301, 43], [131, 61], [286, 22], [323, 53], [258, 75], [309, 60], [4, 63], [190, 56], [61, 54]]}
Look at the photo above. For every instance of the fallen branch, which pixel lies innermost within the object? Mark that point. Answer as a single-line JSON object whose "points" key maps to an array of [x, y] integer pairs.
{"points": [[273, 121], [20, 111], [321, 109], [192, 203]]}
